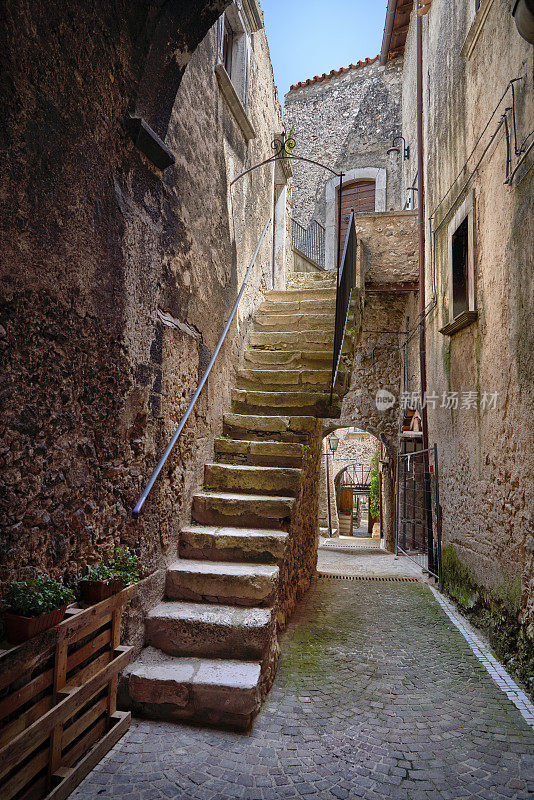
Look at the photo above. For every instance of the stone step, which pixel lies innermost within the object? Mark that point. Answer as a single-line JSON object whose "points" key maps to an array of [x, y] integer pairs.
{"points": [[222, 582], [269, 454], [252, 545], [202, 629], [242, 510], [318, 275], [213, 691], [296, 340], [312, 403], [283, 481], [276, 380], [301, 294], [308, 359], [263, 427], [298, 307], [294, 322], [311, 281]]}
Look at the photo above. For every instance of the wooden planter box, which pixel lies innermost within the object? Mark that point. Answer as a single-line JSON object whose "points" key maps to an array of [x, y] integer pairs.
{"points": [[19, 629], [58, 694], [95, 591]]}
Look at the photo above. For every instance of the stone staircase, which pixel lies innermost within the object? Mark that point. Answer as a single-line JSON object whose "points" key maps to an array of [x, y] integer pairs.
{"points": [[251, 548]]}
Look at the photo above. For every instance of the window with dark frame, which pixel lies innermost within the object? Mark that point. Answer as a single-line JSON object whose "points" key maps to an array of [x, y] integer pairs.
{"points": [[460, 260], [228, 45]]}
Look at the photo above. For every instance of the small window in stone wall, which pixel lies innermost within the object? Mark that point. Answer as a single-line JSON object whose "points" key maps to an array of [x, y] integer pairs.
{"points": [[234, 48], [461, 268], [228, 44], [460, 251]]}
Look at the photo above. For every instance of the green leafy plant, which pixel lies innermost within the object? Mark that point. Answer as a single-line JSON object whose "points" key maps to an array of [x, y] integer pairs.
{"points": [[36, 596], [103, 571], [126, 564], [123, 564], [374, 493]]}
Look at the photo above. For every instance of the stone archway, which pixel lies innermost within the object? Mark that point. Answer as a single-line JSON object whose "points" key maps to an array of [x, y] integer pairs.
{"points": [[355, 445]]}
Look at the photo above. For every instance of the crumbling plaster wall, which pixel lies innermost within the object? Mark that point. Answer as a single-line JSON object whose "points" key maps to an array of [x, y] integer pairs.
{"points": [[486, 455], [95, 242], [345, 122]]}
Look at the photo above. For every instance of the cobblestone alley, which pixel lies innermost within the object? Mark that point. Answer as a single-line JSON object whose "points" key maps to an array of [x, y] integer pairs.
{"points": [[377, 696]]}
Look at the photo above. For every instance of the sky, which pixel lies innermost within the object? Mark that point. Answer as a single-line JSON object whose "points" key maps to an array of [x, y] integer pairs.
{"points": [[309, 37]]}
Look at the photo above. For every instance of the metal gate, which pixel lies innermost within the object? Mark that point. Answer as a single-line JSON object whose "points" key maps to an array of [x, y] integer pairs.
{"points": [[418, 525]]}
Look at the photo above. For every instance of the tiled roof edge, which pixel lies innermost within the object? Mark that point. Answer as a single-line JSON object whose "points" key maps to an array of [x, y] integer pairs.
{"points": [[334, 73]]}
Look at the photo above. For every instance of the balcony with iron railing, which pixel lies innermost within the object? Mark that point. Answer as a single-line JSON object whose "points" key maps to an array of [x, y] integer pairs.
{"points": [[309, 241]]}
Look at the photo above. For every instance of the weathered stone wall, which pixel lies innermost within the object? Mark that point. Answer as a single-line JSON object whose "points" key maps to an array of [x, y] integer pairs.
{"points": [[116, 279], [300, 560], [377, 368], [389, 246], [346, 122], [486, 455]]}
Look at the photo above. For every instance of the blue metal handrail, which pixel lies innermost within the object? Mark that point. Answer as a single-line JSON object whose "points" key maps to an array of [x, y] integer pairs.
{"points": [[168, 449]]}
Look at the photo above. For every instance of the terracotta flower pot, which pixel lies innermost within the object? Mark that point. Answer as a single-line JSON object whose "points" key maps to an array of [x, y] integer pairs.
{"points": [[19, 629], [96, 591]]}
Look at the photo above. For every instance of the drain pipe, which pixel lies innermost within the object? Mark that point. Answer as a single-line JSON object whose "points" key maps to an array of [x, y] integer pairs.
{"points": [[422, 315], [421, 228]]}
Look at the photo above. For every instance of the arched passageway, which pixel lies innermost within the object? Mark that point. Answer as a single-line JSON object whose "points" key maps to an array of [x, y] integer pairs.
{"points": [[354, 450]]}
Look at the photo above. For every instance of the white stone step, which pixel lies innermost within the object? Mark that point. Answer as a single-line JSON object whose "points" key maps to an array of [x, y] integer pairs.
{"points": [[294, 322], [265, 453], [214, 691], [290, 428], [301, 294], [232, 544], [222, 582], [315, 404], [203, 629], [244, 478], [280, 379], [242, 510], [288, 359]]}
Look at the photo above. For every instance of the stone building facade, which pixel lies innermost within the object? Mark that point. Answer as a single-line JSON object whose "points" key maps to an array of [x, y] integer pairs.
{"points": [[347, 120], [117, 275], [478, 112]]}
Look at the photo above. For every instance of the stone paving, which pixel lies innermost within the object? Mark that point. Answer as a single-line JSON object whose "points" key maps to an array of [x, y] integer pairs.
{"points": [[363, 557], [377, 696]]}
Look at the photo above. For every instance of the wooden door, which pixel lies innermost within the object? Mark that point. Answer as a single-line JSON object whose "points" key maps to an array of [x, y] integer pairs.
{"points": [[345, 499], [357, 195]]}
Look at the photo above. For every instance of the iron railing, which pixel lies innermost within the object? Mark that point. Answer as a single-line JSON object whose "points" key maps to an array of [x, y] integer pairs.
{"points": [[418, 529], [346, 281], [164, 457], [309, 241]]}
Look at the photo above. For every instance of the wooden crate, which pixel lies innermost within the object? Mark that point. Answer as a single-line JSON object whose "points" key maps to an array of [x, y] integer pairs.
{"points": [[58, 695]]}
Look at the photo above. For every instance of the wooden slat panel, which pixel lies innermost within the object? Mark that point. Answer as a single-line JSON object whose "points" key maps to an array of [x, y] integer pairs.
{"points": [[91, 647], [36, 791], [83, 675], [24, 776], [15, 751], [20, 723], [76, 752], [21, 696], [70, 778], [74, 730], [19, 659], [12, 668]]}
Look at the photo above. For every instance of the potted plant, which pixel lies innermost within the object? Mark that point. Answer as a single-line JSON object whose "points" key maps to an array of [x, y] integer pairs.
{"points": [[110, 576], [33, 606]]}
